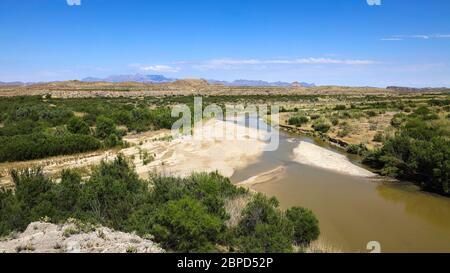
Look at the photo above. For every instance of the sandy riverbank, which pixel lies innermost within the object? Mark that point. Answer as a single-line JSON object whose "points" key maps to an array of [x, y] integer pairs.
{"points": [[217, 150], [212, 152], [313, 155], [262, 177], [184, 155]]}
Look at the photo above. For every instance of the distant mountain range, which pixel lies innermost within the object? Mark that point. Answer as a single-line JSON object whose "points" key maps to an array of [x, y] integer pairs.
{"points": [[162, 79], [12, 83], [261, 83], [131, 78]]}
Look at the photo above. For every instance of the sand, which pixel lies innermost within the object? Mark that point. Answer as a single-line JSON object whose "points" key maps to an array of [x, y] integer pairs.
{"points": [[313, 155], [213, 152], [239, 148], [262, 177]]}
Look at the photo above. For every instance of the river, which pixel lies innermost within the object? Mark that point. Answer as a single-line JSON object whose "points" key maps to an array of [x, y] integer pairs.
{"points": [[353, 211]]}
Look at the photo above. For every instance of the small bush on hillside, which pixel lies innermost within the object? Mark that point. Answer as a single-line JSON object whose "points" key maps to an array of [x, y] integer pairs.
{"points": [[315, 116], [335, 121], [371, 113], [298, 120], [356, 149], [321, 126], [378, 137], [340, 107]]}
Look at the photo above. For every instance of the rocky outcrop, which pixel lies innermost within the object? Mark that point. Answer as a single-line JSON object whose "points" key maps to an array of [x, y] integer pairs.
{"points": [[74, 237]]}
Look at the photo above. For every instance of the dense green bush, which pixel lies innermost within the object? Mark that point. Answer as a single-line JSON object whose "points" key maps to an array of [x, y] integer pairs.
{"points": [[321, 126], [298, 120], [186, 225], [371, 113], [11, 213], [263, 228], [420, 151], [105, 127], [113, 192], [39, 145], [78, 126], [305, 223], [378, 137], [25, 118], [340, 107], [335, 121], [356, 149]]}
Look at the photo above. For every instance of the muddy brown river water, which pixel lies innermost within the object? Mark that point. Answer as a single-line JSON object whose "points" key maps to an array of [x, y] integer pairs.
{"points": [[353, 211]]}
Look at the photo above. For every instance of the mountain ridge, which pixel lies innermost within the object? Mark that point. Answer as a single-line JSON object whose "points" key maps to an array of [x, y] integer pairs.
{"points": [[162, 79]]}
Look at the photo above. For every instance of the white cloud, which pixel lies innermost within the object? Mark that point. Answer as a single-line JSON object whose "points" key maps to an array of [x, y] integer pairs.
{"points": [[391, 39], [442, 36], [373, 2], [156, 68], [73, 2], [416, 37], [264, 63]]}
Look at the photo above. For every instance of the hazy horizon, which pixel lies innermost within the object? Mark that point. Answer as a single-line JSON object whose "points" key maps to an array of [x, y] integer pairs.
{"points": [[325, 42]]}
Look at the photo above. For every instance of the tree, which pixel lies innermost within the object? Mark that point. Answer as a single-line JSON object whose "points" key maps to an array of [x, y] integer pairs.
{"points": [[112, 193], [105, 127], [321, 126], [11, 213], [186, 225], [305, 223], [263, 228], [78, 126], [69, 191], [298, 120]]}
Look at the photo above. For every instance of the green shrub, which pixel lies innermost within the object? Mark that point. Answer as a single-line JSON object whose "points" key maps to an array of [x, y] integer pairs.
{"points": [[298, 120], [267, 238], [263, 228], [305, 223], [78, 126], [68, 191], [113, 192], [340, 107], [39, 145], [397, 120], [183, 214], [335, 121], [371, 113], [11, 213], [356, 149], [420, 152], [186, 225], [378, 137], [112, 141], [321, 126], [105, 127], [315, 116]]}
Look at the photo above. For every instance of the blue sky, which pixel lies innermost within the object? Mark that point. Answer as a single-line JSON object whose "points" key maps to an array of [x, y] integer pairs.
{"points": [[343, 42]]}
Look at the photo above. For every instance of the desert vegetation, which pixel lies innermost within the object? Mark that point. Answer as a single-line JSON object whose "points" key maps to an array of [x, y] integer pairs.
{"points": [[36, 127], [419, 151], [181, 214], [405, 137]]}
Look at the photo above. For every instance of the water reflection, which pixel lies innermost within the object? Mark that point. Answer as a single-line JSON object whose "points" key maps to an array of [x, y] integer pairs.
{"points": [[430, 207]]}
